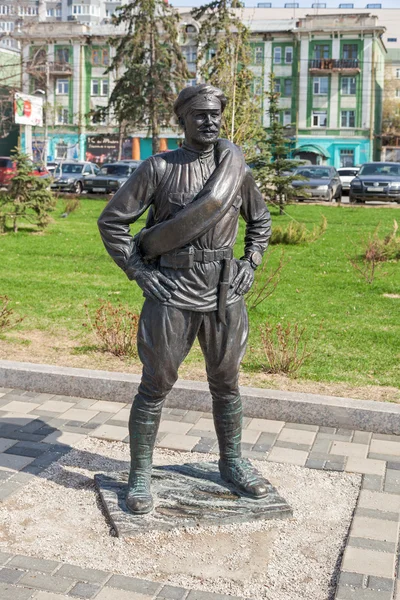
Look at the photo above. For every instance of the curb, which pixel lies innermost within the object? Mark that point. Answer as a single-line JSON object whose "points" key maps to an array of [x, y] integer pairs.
{"points": [[292, 407]]}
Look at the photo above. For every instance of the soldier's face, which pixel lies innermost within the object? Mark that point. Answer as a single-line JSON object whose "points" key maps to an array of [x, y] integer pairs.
{"points": [[202, 126]]}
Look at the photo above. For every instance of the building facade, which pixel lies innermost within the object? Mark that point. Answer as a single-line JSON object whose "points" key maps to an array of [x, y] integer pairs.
{"points": [[329, 70]]}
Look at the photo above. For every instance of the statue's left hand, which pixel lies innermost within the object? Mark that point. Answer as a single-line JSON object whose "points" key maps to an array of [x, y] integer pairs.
{"points": [[244, 278]]}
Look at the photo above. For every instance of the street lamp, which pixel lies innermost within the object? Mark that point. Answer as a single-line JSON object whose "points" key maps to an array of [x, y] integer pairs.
{"points": [[44, 94]]}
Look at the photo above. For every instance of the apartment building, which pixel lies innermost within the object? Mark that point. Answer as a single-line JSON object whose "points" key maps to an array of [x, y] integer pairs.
{"points": [[329, 70]]}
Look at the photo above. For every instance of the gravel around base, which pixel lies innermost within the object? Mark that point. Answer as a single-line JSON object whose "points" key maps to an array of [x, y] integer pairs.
{"points": [[57, 516]]}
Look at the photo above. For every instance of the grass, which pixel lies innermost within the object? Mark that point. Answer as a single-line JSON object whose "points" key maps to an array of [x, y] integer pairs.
{"points": [[52, 276]]}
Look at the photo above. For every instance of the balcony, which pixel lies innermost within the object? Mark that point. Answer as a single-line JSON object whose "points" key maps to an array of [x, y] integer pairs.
{"points": [[349, 66], [55, 68]]}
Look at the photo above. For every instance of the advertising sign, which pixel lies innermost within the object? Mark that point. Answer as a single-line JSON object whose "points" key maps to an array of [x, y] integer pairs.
{"points": [[104, 148], [28, 110]]}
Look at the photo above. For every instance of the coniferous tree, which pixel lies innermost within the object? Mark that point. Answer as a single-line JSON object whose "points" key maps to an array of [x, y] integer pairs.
{"points": [[273, 167], [152, 67], [28, 196], [224, 58]]}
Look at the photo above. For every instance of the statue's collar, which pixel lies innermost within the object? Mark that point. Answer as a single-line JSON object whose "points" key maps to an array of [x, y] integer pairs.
{"points": [[199, 153]]}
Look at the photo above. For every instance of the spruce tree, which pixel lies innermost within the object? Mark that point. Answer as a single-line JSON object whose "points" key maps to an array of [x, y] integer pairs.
{"points": [[274, 170], [28, 196], [224, 59], [152, 66]]}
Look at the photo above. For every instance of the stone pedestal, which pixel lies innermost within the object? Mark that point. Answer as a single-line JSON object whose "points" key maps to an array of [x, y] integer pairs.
{"points": [[185, 496]]}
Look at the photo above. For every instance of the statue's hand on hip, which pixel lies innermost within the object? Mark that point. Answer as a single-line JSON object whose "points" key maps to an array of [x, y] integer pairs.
{"points": [[154, 284], [244, 278]]}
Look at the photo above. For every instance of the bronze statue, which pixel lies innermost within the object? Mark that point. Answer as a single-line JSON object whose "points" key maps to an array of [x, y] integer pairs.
{"points": [[193, 287]]}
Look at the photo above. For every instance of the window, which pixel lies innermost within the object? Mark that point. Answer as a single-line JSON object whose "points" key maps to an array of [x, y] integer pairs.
{"points": [[264, 5], [6, 26], [99, 87], [348, 86], [321, 51], [62, 116], [397, 73], [61, 150], [287, 117], [318, 5], [392, 39], [191, 82], [348, 118], [346, 5], [257, 86], [62, 55], [190, 29], [277, 85], [258, 55], [320, 86], [5, 10], [347, 160], [350, 51], [292, 5], [287, 87], [277, 55], [62, 87], [100, 57], [375, 5], [87, 170], [319, 118], [288, 55], [190, 53], [398, 93]]}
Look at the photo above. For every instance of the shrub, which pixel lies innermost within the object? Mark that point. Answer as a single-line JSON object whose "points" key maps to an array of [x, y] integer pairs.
{"points": [[381, 249], [285, 347], [28, 197], [116, 328], [265, 283], [297, 233], [71, 205], [375, 251], [7, 319]]}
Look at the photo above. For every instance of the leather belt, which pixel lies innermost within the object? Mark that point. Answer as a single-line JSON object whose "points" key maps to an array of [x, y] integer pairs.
{"points": [[184, 258]]}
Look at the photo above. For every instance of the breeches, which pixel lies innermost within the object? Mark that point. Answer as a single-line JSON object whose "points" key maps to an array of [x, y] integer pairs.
{"points": [[165, 336]]}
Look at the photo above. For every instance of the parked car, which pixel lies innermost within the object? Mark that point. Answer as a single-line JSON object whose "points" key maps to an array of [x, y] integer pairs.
{"points": [[111, 177], [70, 176], [51, 167], [376, 181], [321, 182], [347, 175], [7, 170]]}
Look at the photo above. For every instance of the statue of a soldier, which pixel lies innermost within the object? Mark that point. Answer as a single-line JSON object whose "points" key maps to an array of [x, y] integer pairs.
{"points": [[193, 288]]}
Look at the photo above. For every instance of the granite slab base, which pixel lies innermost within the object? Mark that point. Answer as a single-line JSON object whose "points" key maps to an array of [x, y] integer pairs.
{"points": [[185, 495]]}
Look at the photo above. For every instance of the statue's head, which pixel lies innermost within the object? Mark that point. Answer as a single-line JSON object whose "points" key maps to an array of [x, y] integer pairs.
{"points": [[199, 110]]}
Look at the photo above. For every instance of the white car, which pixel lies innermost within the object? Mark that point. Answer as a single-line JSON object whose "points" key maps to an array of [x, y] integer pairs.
{"points": [[346, 175]]}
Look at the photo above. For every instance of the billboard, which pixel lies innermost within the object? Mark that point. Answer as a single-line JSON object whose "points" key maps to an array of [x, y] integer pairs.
{"points": [[28, 110], [104, 148]]}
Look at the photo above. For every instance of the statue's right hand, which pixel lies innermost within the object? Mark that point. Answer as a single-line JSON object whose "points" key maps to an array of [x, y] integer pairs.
{"points": [[154, 284]]}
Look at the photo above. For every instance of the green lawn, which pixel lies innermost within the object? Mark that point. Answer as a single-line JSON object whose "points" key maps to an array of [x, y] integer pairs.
{"points": [[52, 275]]}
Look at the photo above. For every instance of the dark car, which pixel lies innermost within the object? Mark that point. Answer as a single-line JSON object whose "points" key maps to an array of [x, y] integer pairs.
{"points": [[111, 177], [69, 176], [376, 181], [320, 182]]}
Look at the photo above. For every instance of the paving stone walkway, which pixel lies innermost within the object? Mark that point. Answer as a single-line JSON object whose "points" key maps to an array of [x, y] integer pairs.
{"points": [[37, 429]]}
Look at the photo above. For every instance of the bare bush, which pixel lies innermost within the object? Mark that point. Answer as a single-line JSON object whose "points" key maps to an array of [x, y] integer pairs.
{"points": [[265, 283], [297, 233], [116, 327], [7, 318], [285, 347]]}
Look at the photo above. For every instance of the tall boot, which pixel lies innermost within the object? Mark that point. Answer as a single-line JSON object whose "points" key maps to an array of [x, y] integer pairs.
{"points": [[144, 421], [233, 468]]}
